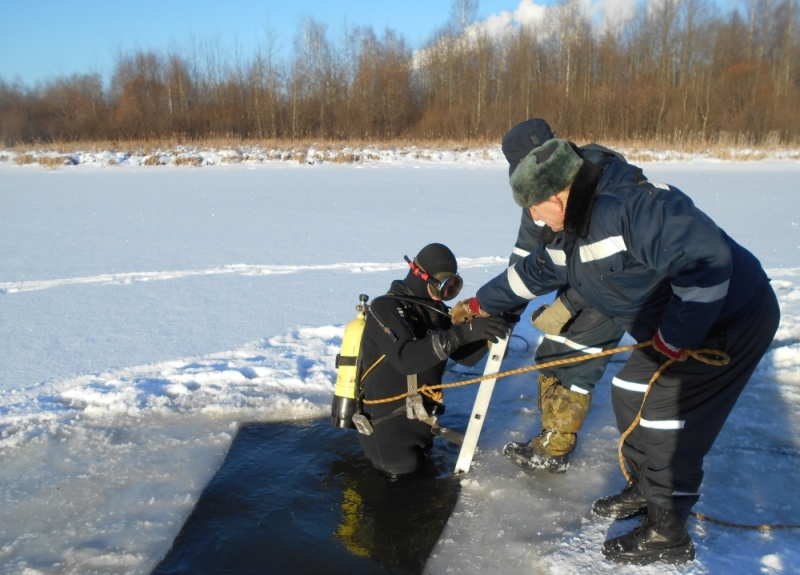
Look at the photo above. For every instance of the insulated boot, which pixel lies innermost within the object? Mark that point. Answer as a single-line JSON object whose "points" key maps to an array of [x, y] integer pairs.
{"points": [[662, 536], [627, 503], [563, 413]]}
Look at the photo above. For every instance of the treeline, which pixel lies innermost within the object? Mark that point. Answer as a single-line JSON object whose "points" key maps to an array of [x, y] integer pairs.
{"points": [[680, 70]]}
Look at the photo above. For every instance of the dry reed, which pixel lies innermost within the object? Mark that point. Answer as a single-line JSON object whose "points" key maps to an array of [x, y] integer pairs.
{"points": [[186, 160], [51, 162], [24, 159], [152, 161], [234, 150]]}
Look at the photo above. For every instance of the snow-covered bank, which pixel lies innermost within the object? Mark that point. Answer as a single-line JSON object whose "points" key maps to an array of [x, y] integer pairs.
{"points": [[285, 377], [196, 156], [133, 344], [253, 155]]}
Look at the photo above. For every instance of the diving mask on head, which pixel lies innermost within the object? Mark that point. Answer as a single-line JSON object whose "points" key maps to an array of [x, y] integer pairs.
{"points": [[443, 285]]}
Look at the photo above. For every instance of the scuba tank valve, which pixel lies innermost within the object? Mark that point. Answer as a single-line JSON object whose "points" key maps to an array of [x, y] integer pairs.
{"points": [[345, 401]]}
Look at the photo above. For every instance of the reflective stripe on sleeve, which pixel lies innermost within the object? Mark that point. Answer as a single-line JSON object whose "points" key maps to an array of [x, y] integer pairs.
{"points": [[520, 252], [572, 344], [559, 257], [629, 385], [602, 249], [702, 294], [665, 424], [577, 389], [517, 286]]}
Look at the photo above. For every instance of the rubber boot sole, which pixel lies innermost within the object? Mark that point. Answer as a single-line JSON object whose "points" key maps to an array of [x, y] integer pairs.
{"points": [[672, 555], [532, 461]]}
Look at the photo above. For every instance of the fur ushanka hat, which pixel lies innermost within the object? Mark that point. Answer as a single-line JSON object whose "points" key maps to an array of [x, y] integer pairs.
{"points": [[544, 172]]}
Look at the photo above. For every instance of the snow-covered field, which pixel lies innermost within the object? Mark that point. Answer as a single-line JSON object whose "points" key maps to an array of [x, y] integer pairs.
{"points": [[145, 313]]}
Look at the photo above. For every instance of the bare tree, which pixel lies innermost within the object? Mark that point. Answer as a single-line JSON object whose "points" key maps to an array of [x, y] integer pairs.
{"points": [[681, 70], [462, 14]]}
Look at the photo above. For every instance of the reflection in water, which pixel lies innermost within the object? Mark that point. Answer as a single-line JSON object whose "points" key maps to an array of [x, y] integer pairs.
{"points": [[350, 531], [301, 498], [395, 522]]}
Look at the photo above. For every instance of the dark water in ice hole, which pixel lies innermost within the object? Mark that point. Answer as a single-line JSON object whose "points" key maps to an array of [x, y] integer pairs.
{"points": [[301, 498]]}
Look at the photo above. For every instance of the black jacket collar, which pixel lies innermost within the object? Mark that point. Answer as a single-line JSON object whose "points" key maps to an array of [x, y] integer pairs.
{"points": [[582, 195]]}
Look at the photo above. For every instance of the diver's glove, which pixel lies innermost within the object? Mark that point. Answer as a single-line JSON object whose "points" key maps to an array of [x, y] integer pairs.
{"points": [[489, 328], [478, 329]]}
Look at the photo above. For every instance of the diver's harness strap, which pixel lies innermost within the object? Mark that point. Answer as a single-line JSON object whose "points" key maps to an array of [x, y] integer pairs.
{"points": [[414, 409], [401, 298], [448, 434], [414, 406]]}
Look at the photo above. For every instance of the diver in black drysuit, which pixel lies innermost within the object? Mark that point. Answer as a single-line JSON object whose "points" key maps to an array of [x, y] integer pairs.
{"points": [[404, 335]]}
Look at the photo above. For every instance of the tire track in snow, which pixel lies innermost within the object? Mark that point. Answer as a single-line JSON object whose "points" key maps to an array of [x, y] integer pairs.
{"points": [[236, 269]]}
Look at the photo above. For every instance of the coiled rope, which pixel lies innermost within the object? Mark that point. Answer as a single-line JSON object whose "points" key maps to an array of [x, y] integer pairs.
{"points": [[708, 356]]}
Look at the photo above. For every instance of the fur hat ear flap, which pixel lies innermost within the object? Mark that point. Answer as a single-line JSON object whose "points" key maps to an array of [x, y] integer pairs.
{"points": [[544, 172]]}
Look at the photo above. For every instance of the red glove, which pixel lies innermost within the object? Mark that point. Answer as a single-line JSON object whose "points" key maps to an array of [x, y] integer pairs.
{"points": [[474, 305], [465, 310], [672, 352]]}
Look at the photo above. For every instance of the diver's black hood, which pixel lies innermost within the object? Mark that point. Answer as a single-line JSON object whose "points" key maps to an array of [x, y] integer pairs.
{"points": [[433, 258]]}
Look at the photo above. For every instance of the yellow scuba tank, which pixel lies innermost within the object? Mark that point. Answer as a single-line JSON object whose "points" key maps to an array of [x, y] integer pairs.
{"points": [[344, 396]]}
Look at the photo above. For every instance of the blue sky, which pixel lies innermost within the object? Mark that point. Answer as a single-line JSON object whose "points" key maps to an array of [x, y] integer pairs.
{"points": [[40, 40], [43, 39]]}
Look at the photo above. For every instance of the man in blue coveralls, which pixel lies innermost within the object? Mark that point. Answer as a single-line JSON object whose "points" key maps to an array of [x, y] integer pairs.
{"points": [[644, 256]]}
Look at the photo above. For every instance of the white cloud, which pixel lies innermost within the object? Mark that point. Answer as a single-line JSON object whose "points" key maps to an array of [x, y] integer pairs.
{"points": [[495, 26], [613, 14], [529, 13], [605, 13], [497, 23]]}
